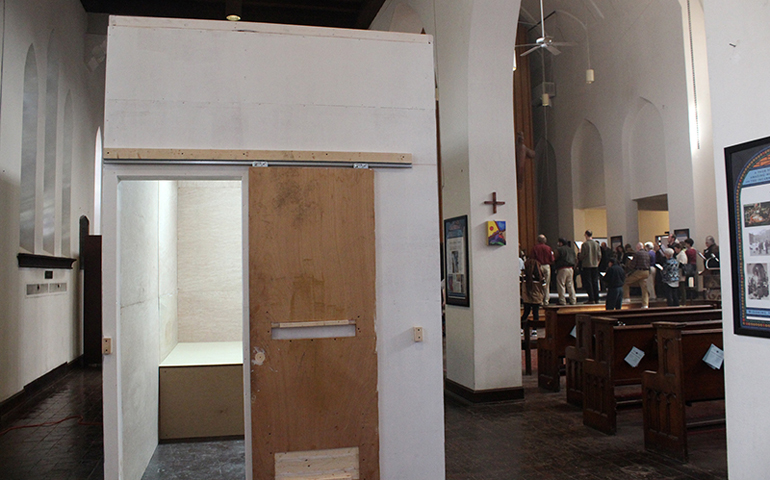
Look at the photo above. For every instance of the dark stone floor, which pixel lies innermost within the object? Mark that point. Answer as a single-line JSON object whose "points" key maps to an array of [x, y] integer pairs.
{"points": [[541, 437], [72, 449]]}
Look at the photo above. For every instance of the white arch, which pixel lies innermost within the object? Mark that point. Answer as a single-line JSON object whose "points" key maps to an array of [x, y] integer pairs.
{"points": [[588, 186]]}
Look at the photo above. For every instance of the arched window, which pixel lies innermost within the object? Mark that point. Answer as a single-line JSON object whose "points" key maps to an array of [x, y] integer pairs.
{"points": [[66, 177], [29, 154], [49, 165], [98, 184]]}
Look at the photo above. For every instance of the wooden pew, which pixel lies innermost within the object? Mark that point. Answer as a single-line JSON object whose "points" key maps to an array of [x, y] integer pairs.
{"points": [[682, 377], [559, 322], [608, 369], [527, 344], [576, 354]]}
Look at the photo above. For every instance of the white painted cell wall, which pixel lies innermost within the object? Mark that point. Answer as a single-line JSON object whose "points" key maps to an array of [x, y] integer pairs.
{"points": [[299, 88], [38, 334], [209, 268], [738, 41], [138, 340]]}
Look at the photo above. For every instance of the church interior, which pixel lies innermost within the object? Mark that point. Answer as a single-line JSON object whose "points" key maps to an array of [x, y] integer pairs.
{"points": [[228, 226]]}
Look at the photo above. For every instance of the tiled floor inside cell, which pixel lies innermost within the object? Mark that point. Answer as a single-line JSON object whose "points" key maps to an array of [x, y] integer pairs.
{"points": [[541, 437]]}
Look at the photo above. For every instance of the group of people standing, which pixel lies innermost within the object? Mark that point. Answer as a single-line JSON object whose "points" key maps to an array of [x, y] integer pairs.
{"points": [[652, 268]]}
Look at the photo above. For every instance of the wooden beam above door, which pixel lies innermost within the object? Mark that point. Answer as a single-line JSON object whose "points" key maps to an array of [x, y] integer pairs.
{"points": [[176, 155]]}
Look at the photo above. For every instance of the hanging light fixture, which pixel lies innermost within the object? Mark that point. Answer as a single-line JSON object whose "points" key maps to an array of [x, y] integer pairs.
{"points": [[590, 76], [233, 10], [546, 99]]}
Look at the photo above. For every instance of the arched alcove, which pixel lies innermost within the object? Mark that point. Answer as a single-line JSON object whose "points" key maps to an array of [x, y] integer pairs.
{"points": [[588, 187], [646, 151], [406, 19], [98, 183], [29, 153], [547, 199], [49, 164], [66, 177]]}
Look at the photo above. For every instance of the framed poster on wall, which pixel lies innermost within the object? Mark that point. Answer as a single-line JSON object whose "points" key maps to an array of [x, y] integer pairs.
{"points": [[682, 234], [456, 261], [616, 241], [748, 194]]}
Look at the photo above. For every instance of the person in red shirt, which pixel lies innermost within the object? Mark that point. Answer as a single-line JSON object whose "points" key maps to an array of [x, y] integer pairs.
{"points": [[544, 255]]}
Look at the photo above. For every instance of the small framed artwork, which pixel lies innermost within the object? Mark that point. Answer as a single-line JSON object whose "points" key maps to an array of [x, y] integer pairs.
{"points": [[748, 195], [456, 261], [682, 234], [616, 241], [495, 232]]}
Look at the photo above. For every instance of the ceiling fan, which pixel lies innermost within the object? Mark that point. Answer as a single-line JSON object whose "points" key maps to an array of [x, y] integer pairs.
{"points": [[545, 41]]}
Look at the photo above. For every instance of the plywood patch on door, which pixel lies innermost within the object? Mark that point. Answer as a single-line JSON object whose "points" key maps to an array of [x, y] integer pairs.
{"points": [[332, 464]]}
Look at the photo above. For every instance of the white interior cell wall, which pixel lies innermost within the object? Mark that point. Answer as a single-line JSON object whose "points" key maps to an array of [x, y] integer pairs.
{"points": [[300, 88], [28, 24], [168, 328], [210, 264], [139, 322], [738, 41]]}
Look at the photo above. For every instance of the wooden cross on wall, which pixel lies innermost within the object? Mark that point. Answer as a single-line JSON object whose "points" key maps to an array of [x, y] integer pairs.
{"points": [[494, 202]]}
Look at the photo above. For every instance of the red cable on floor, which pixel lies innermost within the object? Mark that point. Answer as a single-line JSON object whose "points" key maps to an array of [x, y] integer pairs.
{"points": [[49, 424]]}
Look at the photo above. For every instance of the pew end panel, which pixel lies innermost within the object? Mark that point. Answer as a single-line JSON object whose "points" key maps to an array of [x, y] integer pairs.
{"points": [[681, 378]]}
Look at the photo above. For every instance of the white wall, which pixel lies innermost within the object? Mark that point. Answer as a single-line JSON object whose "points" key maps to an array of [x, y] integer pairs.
{"points": [[167, 267], [25, 353], [738, 41], [139, 343], [296, 88], [476, 116], [209, 274]]}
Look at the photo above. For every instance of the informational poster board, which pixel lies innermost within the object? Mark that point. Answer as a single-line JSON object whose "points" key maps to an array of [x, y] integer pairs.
{"points": [[456, 261], [748, 192]]}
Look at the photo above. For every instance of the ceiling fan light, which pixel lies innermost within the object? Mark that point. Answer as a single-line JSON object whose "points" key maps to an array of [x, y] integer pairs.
{"points": [[590, 76], [546, 100]]}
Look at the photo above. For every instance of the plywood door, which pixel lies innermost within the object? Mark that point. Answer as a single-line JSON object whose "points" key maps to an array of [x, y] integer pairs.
{"points": [[312, 259]]}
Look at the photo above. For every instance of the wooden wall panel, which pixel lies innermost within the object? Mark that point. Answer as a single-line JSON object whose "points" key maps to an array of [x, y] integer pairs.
{"points": [[312, 258], [522, 120]]}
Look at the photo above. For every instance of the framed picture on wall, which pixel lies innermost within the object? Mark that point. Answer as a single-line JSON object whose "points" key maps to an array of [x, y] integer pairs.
{"points": [[616, 241], [456, 261], [682, 234], [748, 195]]}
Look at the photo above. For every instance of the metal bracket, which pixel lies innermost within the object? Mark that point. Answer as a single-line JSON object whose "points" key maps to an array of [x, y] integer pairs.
{"points": [[259, 164], [360, 165]]}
